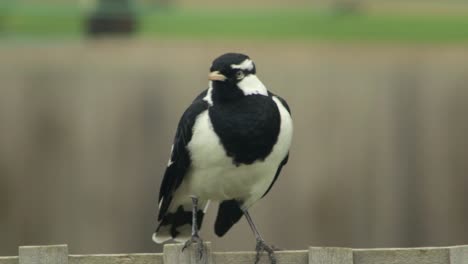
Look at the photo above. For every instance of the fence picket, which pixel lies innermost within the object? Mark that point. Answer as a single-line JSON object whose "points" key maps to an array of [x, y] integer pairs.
{"points": [[173, 254]]}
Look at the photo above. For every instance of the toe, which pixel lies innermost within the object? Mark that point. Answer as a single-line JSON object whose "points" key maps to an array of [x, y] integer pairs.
{"points": [[201, 250], [263, 247]]}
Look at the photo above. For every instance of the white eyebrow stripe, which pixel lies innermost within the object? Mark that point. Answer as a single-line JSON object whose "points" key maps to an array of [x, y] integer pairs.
{"points": [[245, 65]]}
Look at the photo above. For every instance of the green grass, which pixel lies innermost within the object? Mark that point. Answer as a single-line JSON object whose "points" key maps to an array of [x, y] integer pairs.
{"points": [[307, 25], [40, 21], [34, 21]]}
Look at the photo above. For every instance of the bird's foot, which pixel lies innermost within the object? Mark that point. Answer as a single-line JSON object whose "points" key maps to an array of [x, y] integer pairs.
{"points": [[200, 247], [264, 247]]}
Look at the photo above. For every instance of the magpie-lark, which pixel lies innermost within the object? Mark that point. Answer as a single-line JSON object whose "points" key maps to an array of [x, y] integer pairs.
{"points": [[230, 146]]}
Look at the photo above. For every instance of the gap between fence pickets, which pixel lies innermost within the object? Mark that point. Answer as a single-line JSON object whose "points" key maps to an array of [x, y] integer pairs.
{"points": [[58, 254]]}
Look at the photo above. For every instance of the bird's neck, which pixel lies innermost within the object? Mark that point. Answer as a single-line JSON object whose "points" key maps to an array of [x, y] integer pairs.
{"points": [[223, 92]]}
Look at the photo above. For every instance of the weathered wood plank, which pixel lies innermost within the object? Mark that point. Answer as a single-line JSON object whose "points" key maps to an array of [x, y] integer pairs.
{"points": [[315, 255], [330, 255], [55, 254], [459, 255], [283, 257], [173, 254], [402, 256], [9, 260], [117, 259]]}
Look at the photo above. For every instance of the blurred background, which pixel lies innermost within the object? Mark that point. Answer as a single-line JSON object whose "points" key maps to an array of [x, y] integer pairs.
{"points": [[91, 92]]}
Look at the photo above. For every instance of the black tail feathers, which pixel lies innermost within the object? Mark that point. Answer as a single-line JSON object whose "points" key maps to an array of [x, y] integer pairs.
{"points": [[229, 213], [176, 225]]}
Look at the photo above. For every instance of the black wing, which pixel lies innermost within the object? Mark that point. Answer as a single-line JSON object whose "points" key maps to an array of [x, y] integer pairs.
{"points": [[285, 104], [278, 171], [285, 160], [180, 157]]}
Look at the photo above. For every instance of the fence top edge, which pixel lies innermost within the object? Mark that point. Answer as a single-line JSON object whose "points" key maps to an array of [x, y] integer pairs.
{"points": [[118, 255], [330, 248], [44, 246], [358, 250], [253, 252], [459, 247], [409, 248], [8, 257]]}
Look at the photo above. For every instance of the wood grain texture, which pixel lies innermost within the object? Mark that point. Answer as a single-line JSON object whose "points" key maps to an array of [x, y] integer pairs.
{"points": [[173, 254], [116, 259], [9, 260], [459, 255], [330, 255], [55, 254], [283, 257], [402, 256]]}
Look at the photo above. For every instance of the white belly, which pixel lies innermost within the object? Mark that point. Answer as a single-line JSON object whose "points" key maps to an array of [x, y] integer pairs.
{"points": [[213, 175]]}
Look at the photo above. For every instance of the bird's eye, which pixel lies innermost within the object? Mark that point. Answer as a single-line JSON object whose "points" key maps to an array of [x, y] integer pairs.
{"points": [[240, 75]]}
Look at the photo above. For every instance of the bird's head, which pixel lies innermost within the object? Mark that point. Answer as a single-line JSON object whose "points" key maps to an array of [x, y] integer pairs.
{"points": [[233, 75]]}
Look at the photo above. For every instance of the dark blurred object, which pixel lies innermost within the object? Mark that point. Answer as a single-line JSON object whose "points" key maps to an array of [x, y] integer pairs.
{"points": [[112, 17], [160, 4], [346, 7]]}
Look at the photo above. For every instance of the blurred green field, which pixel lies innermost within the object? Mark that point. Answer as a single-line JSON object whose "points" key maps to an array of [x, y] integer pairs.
{"points": [[63, 21]]}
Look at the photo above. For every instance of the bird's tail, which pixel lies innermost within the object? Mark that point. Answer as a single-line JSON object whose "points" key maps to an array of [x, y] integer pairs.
{"points": [[176, 223]]}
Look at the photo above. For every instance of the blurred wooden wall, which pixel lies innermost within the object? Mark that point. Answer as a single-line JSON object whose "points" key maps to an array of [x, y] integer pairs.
{"points": [[379, 156]]}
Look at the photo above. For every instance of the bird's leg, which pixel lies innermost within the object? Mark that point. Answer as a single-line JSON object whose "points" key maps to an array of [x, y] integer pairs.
{"points": [[195, 239], [261, 245]]}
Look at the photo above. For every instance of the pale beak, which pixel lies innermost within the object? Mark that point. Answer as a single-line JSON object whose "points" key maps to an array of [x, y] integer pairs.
{"points": [[216, 76]]}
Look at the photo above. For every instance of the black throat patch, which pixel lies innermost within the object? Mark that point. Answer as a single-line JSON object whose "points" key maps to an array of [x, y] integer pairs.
{"points": [[248, 128]]}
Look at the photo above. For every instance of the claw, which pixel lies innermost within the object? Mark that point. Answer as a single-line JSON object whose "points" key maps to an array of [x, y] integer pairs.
{"points": [[264, 247], [201, 250]]}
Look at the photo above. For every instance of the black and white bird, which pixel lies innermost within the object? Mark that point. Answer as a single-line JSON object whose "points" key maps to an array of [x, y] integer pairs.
{"points": [[230, 146]]}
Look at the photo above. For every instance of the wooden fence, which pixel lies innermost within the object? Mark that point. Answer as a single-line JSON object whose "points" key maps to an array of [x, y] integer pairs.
{"points": [[58, 254]]}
